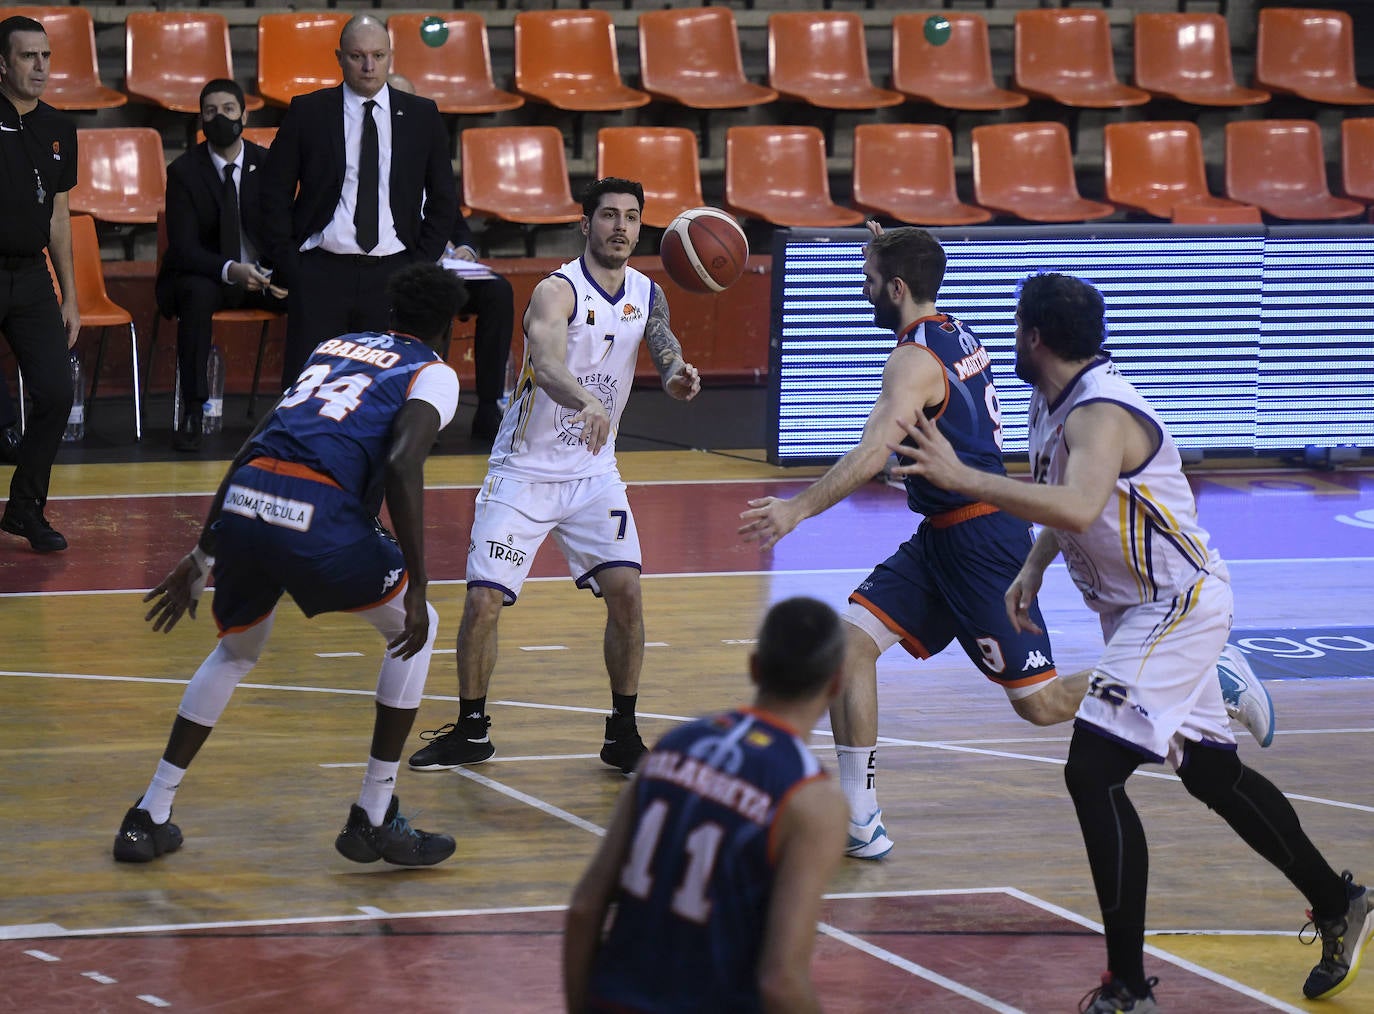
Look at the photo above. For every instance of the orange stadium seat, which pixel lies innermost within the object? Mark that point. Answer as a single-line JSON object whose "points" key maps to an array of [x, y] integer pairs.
{"points": [[567, 59], [663, 158], [1310, 53], [99, 310], [778, 174], [906, 171], [1357, 158], [296, 53], [1066, 55], [457, 74], [121, 175], [241, 315], [73, 75], [169, 55], [258, 135], [956, 74], [1026, 170], [1278, 166], [1188, 57], [1157, 167], [520, 175], [692, 57], [821, 58]]}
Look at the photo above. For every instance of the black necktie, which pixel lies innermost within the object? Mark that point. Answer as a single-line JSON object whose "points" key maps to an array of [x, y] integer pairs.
{"points": [[230, 241], [369, 183]]}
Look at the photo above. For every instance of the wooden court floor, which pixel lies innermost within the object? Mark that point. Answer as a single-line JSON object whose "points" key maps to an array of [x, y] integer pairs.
{"points": [[986, 903]]}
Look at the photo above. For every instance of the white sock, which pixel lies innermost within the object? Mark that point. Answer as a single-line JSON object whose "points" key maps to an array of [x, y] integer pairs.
{"points": [[379, 784], [161, 791], [858, 780]]}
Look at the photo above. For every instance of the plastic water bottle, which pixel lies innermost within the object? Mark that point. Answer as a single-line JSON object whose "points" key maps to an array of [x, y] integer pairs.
{"points": [[214, 408], [76, 421]]}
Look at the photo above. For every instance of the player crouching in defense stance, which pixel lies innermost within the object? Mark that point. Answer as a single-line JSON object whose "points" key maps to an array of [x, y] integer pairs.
{"points": [[718, 853], [297, 512], [1108, 476]]}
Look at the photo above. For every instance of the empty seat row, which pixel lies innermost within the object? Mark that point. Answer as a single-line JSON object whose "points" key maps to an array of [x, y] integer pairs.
{"points": [[691, 56]]}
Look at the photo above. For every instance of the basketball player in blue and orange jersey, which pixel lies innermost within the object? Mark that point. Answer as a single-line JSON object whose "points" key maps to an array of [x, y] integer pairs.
{"points": [[947, 581], [297, 512], [553, 471], [717, 855]]}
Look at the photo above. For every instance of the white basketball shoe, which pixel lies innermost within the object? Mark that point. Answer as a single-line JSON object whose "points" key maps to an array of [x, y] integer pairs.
{"points": [[1247, 700], [868, 840]]}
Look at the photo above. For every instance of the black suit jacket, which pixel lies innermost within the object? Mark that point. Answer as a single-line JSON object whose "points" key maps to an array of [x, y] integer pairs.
{"points": [[304, 175], [195, 192]]}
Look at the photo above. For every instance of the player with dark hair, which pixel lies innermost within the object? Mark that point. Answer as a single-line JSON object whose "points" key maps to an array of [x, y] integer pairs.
{"points": [[297, 513], [717, 856], [553, 471], [1108, 476]]}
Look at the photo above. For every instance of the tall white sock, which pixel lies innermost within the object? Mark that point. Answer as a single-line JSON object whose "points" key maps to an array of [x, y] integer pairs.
{"points": [[379, 784], [162, 790], [858, 780]]}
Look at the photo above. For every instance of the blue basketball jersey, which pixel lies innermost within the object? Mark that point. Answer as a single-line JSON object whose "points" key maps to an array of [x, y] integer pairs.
{"points": [[337, 417], [695, 889], [971, 418]]}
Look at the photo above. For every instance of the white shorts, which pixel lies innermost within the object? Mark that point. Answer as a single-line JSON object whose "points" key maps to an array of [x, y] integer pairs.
{"points": [[1155, 686], [590, 520]]}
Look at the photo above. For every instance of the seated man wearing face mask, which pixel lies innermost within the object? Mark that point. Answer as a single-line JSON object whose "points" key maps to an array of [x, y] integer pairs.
{"points": [[212, 253]]}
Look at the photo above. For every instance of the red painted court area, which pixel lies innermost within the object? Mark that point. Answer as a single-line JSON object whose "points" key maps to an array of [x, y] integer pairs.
{"points": [[952, 953]]}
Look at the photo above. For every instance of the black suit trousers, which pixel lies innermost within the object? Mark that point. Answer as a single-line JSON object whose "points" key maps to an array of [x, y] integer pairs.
{"points": [[196, 299], [331, 295], [32, 323], [492, 302]]}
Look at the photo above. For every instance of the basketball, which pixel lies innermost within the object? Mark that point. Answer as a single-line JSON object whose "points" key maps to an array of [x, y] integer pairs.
{"points": [[704, 250]]}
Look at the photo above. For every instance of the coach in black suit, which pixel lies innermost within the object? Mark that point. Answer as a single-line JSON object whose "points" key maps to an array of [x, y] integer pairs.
{"points": [[212, 243], [376, 192]]}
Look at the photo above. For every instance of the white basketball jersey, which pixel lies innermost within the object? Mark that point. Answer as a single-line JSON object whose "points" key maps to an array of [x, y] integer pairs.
{"points": [[537, 441], [1147, 545]]}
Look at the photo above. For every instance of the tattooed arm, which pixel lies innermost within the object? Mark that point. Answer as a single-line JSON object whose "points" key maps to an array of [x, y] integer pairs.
{"points": [[680, 378]]}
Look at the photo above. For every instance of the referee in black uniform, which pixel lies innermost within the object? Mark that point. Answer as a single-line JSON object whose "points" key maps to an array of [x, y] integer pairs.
{"points": [[37, 168]]}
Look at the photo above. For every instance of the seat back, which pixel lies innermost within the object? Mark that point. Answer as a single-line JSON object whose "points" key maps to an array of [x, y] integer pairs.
{"points": [[517, 173], [92, 297], [461, 65], [1059, 46], [1016, 161], [962, 63], [73, 73], [258, 135], [691, 48], [565, 51], [779, 174], [1299, 49], [901, 162], [296, 53], [169, 55], [1274, 160], [1357, 158], [1153, 165], [1182, 52], [121, 174], [811, 51], [663, 158]]}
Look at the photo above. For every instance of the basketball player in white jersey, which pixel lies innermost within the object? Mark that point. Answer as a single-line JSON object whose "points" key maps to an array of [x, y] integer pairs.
{"points": [[1111, 492], [553, 471]]}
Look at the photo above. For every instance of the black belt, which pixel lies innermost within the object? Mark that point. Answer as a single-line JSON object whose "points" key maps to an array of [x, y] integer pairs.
{"points": [[14, 262], [363, 259]]}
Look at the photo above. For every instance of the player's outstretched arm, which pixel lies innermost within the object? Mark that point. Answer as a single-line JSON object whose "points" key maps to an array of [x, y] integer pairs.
{"points": [[912, 382], [680, 378], [810, 841], [412, 435], [546, 338], [591, 898]]}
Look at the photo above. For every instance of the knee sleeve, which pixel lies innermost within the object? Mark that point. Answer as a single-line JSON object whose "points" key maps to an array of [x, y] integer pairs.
{"points": [[208, 693], [401, 682]]}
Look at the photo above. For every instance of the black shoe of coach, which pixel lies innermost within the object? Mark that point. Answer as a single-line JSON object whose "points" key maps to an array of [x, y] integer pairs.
{"points": [[25, 518]]}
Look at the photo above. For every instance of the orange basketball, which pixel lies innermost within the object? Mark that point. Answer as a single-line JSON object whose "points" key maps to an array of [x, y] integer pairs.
{"points": [[704, 250]]}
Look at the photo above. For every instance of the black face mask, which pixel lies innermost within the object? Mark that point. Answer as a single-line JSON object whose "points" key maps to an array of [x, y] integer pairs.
{"points": [[222, 131]]}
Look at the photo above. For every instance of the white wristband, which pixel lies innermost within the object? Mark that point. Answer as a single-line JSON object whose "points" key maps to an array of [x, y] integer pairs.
{"points": [[203, 560]]}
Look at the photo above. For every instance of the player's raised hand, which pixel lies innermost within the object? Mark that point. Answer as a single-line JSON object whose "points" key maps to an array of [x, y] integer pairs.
{"points": [[684, 384], [767, 521], [179, 592]]}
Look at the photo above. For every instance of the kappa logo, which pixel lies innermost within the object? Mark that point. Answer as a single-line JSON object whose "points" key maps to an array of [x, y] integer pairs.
{"points": [[1035, 660], [392, 576]]}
